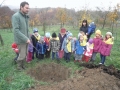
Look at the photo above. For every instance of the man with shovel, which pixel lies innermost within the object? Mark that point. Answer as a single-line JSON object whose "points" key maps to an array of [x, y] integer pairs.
{"points": [[21, 33]]}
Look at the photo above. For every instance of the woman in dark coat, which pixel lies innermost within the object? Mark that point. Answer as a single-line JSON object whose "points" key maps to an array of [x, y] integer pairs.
{"points": [[84, 26]]}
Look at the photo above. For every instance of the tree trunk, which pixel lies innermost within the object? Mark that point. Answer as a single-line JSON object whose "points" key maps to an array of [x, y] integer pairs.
{"points": [[104, 22], [2, 43], [112, 26], [44, 27], [61, 25]]}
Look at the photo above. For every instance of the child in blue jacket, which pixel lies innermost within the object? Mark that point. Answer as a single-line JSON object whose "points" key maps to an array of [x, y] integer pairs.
{"points": [[79, 50], [41, 48]]}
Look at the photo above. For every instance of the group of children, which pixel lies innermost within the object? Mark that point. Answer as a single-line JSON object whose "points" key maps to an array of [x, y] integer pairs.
{"points": [[63, 45]]}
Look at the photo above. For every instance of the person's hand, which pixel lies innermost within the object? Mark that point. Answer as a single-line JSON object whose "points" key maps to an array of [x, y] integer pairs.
{"points": [[86, 33], [48, 49], [16, 50], [28, 41]]}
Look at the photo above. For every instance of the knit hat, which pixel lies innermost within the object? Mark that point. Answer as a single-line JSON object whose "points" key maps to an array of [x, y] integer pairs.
{"points": [[35, 30], [67, 32], [90, 41], [98, 32], [14, 45], [109, 33], [69, 35], [63, 30], [54, 35], [91, 24], [47, 34]]}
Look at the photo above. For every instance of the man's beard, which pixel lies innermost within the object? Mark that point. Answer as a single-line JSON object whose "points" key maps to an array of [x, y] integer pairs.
{"points": [[25, 12]]}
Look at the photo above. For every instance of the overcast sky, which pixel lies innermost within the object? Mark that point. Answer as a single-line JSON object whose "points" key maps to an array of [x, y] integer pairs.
{"points": [[76, 4]]}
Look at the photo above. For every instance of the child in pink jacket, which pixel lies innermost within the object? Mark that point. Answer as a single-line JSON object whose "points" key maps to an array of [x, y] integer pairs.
{"points": [[106, 47], [97, 41]]}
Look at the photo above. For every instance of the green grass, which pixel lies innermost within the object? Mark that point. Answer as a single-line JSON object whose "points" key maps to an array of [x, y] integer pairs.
{"points": [[11, 79]]}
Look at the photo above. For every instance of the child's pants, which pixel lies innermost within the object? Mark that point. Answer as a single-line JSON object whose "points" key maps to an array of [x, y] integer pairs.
{"points": [[53, 55], [40, 56], [29, 57], [102, 58], [78, 57], [17, 54], [67, 56], [47, 54], [86, 58], [93, 56], [34, 52], [61, 54]]}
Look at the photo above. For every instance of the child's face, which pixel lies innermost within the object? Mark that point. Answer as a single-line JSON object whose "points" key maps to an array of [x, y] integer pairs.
{"points": [[70, 38], [108, 36], [81, 38], [36, 33], [83, 33], [97, 36], [63, 34], [48, 37], [54, 38]]}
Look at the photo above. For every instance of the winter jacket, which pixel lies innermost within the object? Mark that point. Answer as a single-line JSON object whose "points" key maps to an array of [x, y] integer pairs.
{"points": [[78, 48], [34, 40], [64, 45], [91, 29], [20, 27], [84, 29], [89, 49], [106, 47], [97, 43], [61, 40], [54, 45], [41, 47], [30, 48]]}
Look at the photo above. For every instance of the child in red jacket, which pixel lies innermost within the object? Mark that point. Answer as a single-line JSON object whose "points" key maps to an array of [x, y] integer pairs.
{"points": [[15, 48]]}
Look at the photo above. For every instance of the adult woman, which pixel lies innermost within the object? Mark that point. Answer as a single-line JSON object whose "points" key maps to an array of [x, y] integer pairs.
{"points": [[84, 26]]}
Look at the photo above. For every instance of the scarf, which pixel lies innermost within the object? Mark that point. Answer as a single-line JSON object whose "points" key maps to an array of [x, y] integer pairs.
{"points": [[69, 45], [37, 37]]}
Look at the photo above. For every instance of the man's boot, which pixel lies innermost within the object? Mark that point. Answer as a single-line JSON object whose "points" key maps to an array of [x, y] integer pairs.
{"points": [[19, 65], [23, 64]]}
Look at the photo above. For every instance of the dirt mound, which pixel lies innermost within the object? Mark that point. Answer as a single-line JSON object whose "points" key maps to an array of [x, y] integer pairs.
{"points": [[49, 72], [87, 79], [107, 69]]}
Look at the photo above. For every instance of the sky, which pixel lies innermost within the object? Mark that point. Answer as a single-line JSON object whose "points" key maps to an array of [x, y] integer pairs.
{"points": [[70, 4]]}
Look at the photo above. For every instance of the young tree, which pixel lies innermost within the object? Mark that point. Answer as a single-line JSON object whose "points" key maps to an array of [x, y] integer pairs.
{"points": [[62, 16]]}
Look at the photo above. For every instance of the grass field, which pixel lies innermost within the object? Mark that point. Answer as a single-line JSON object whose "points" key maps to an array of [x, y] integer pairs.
{"points": [[11, 79]]}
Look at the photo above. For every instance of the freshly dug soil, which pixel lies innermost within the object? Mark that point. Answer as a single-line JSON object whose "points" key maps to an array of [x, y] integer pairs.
{"points": [[96, 78], [50, 72]]}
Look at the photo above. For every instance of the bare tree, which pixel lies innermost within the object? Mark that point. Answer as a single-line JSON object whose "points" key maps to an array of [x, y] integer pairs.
{"points": [[2, 43], [103, 14]]}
